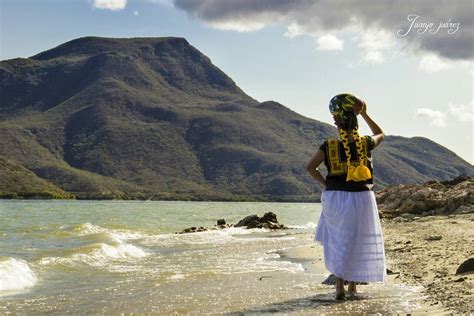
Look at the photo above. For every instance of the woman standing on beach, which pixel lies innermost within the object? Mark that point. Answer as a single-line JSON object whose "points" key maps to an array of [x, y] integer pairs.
{"points": [[349, 227]]}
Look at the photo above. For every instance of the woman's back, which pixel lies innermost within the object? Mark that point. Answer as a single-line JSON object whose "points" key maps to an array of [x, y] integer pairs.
{"points": [[335, 161]]}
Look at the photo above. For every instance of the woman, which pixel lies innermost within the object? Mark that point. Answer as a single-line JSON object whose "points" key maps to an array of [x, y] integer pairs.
{"points": [[349, 226]]}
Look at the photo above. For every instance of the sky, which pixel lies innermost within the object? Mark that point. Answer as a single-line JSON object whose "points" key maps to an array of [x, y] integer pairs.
{"points": [[411, 61]]}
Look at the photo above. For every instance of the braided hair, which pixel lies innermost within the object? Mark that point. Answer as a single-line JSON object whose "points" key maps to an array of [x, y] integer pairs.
{"points": [[343, 107]]}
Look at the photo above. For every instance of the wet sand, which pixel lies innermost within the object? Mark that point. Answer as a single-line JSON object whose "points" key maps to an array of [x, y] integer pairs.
{"points": [[419, 260]]}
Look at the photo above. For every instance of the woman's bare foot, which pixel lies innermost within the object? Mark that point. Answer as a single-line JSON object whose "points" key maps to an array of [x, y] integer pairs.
{"points": [[340, 292], [351, 289]]}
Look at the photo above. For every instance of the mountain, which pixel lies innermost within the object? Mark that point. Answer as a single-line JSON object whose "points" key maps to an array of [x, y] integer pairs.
{"points": [[155, 118]]}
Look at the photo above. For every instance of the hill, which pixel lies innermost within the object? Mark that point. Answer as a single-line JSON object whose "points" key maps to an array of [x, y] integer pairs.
{"points": [[155, 118]]}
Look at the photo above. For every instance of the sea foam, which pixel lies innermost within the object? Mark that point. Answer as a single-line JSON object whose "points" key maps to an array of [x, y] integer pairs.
{"points": [[16, 274], [308, 225], [228, 235], [102, 245]]}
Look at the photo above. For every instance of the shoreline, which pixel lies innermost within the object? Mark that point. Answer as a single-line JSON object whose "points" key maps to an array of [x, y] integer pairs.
{"points": [[417, 257], [311, 257], [166, 200]]}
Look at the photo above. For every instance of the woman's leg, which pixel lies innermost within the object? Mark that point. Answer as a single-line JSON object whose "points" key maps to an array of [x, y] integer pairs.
{"points": [[340, 292], [352, 288]]}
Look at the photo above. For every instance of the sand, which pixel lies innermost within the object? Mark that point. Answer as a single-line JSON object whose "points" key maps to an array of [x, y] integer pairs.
{"points": [[427, 251], [424, 252]]}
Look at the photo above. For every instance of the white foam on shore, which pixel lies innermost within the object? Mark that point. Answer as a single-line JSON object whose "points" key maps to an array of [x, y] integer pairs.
{"points": [[214, 236], [266, 263], [177, 276], [16, 274], [308, 225]]}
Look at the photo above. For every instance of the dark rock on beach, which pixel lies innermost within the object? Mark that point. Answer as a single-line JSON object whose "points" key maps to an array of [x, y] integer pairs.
{"points": [[466, 266], [268, 220], [431, 198], [433, 237], [193, 230]]}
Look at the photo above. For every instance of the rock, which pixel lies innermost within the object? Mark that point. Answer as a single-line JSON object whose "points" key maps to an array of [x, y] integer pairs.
{"points": [[247, 220], [193, 230], [330, 280], [269, 221], [465, 209], [439, 211], [422, 194], [457, 180], [466, 266], [430, 198], [433, 237], [269, 217]]}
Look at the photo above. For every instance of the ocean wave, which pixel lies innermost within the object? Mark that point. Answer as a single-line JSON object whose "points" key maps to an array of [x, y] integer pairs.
{"points": [[97, 255], [15, 274], [86, 229], [101, 245]]}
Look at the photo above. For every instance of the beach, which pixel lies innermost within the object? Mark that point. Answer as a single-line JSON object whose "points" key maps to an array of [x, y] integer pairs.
{"points": [[427, 251], [423, 252]]}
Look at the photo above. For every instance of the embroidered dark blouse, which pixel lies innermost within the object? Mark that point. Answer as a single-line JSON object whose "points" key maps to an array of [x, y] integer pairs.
{"points": [[337, 182]]}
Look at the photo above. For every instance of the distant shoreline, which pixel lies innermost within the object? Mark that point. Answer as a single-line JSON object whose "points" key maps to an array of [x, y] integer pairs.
{"points": [[318, 200]]}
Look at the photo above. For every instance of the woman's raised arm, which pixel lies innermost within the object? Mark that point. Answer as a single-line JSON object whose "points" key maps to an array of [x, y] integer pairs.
{"points": [[378, 135]]}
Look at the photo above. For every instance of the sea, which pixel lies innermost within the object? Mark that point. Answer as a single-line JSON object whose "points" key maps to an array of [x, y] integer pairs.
{"points": [[112, 257]]}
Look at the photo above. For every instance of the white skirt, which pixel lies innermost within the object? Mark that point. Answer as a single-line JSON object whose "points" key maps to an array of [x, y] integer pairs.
{"points": [[350, 232]]}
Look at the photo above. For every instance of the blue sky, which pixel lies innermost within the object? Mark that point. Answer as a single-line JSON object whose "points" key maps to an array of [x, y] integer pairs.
{"points": [[295, 52]]}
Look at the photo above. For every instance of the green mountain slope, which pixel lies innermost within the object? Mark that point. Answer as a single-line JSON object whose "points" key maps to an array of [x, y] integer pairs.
{"points": [[154, 118], [19, 182]]}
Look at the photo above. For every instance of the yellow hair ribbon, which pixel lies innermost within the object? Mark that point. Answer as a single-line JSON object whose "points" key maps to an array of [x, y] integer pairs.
{"points": [[361, 172]]}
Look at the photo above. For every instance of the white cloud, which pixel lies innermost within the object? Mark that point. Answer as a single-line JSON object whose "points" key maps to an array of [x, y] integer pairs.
{"points": [[373, 57], [114, 5], [293, 31], [135, 12], [431, 63], [329, 42], [373, 43], [376, 39], [239, 26], [462, 112], [436, 118]]}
